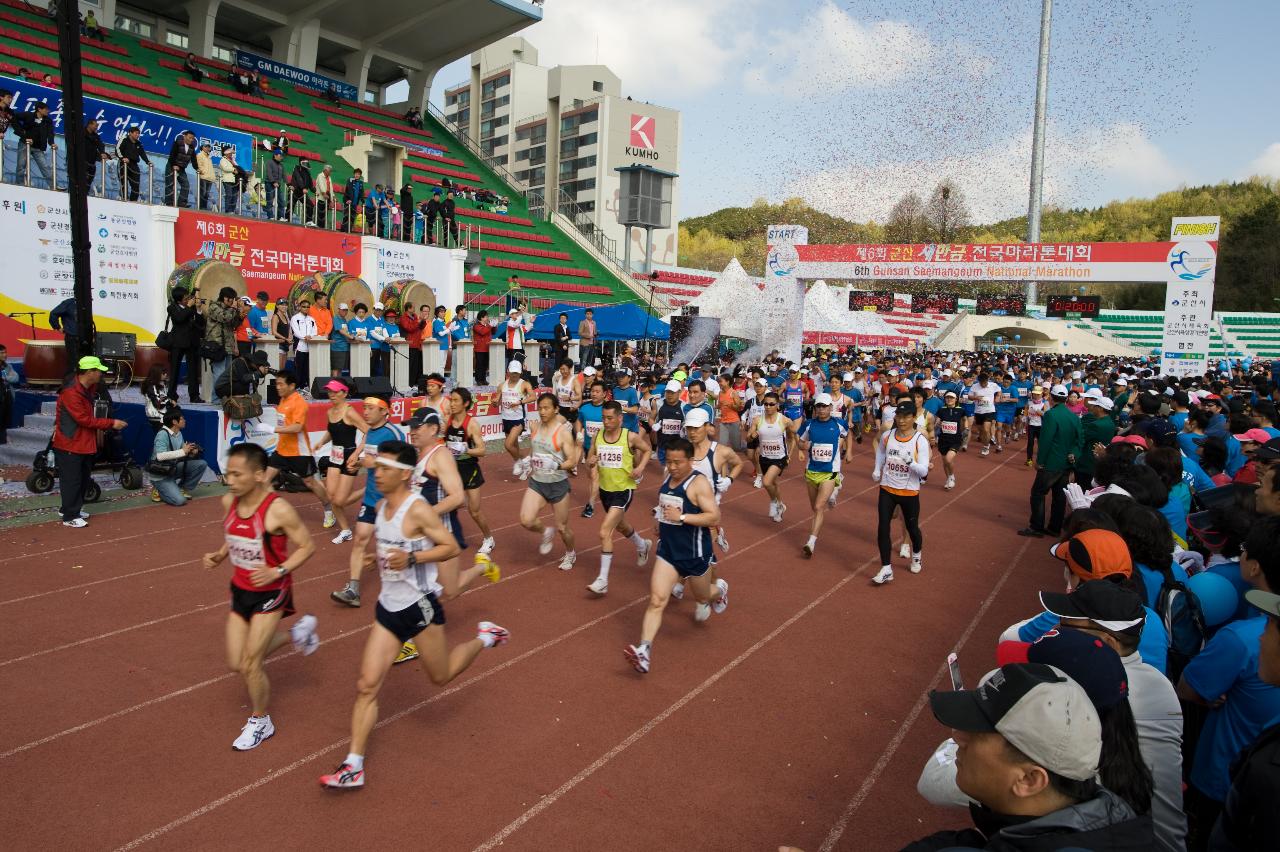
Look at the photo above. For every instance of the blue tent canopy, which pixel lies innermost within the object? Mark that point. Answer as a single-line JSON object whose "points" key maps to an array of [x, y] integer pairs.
{"points": [[613, 322]]}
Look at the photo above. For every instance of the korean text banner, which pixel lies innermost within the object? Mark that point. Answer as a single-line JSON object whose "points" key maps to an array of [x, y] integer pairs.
{"points": [[270, 256], [293, 74], [114, 120]]}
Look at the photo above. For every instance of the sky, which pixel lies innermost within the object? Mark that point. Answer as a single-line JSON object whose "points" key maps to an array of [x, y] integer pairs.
{"points": [[849, 104]]}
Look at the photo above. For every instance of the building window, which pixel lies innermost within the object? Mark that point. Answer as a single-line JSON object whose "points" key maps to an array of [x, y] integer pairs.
{"points": [[130, 25], [569, 124], [175, 39], [597, 86], [371, 98], [490, 88], [464, 115], [223, 54]]}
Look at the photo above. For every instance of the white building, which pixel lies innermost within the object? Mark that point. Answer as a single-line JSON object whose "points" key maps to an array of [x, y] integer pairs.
{"points": [[570, 122]]}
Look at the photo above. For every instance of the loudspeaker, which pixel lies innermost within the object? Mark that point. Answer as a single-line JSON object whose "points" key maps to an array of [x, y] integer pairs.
{"points": [[116, 345], [379, 386]]}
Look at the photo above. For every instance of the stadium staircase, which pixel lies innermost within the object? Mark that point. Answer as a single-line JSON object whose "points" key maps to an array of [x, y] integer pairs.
{"points": [[553, 266], [1144, 330], [1256, 334]]}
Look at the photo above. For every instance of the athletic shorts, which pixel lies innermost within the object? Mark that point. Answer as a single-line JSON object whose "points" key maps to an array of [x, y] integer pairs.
{"points": [[508, 425], [570, 414], [299, 466], [766, 463], [552, 492], [985, 417], [754, 443], [407, 623], [247, 603], [368, 514], [949, 444], [616, 499], [452, 524], [969, 408], [469, 470], [817, 477], [694, 567], [339, 360], [326, 463], [1005, 417]]}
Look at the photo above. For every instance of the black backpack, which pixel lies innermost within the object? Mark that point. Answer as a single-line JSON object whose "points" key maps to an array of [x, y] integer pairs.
{"points": [[1183, 617]]}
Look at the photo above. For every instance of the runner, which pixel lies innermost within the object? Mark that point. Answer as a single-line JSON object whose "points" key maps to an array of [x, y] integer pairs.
{"points": [[950, 421], [970, 410], [376, 413], [754, 411], [435, 393], [291, 425], [823, 438], [1035, 414], [698, 398], [567, 387], [344, 437], [983, 395], [552, 456], [463, 437], [772, 430], [617, 452], [1006, 411], [590, 421], [793, 394], [902, 463], [411, 541], [669, 418], [855, 388], [717, 462], [687, 510], [257, 529], [513, 395]]}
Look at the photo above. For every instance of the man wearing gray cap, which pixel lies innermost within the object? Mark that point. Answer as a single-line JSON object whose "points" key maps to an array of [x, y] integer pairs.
{"points": [[1060, 437]]}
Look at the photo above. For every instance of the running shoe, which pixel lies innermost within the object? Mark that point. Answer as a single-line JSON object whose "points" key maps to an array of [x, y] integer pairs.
{"points": [[721, 540], [677, 591], [905, 550], [491, 571], [302, 632], [950, 483], [346, 595], [702, 612], [721, 603], [599, 586], [487, 546], [544, 547], [1031, 462], [186, 494], [643, 551], [76, 523], [831, 500], [155, 496], [773, 511], [986, 451], [782, 507], [330, 520], [759, 481], [343, 537], [344, 778], [916, 567], [254, 732], [638, 657], [806, 552], [589, 510], [500, 634], [408, 651], [566, 562], [999, 448], [885, 576]]}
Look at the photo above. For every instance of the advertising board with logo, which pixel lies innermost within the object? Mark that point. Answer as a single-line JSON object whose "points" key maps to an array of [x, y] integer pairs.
{"points": [[632, 133], [38, 268], [878, 301], [1188, 303], [270, 256], [293, 74], [935, 303], [386, 261], [158, 132]]}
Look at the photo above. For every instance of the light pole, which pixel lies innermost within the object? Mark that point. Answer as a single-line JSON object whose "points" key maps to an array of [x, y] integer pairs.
{"points": [[1037, 136]]}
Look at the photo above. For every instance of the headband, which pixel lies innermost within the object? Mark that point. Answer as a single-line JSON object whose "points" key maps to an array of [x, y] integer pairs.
{"points": [[378, 401], [398, 465]]}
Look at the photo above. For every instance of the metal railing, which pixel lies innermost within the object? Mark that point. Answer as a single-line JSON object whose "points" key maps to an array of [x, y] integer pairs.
{"points": [[516, 186]]}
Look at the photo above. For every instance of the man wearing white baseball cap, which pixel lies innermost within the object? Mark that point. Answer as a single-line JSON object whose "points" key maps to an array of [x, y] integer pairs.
{"points": [[514, 396], [1029, 744], [824, 440], [1060, 446]]}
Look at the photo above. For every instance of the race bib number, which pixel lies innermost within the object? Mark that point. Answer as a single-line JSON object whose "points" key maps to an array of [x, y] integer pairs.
{"points": [[897, 467], [245, 553], [545, 463], [337, 455], [822, 452], [609, 456], [591, 427], [665, 500], [771, 449], [565, 395], [384, 566], [456, 447], [950, 427], [1022, 392], [671, 427]]}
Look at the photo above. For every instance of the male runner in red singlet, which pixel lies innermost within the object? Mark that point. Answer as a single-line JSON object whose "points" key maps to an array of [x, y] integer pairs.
{"points": [[258, 527]]}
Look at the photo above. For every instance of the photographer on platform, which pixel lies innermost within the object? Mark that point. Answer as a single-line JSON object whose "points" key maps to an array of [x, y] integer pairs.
{"points": [[179, 457]]}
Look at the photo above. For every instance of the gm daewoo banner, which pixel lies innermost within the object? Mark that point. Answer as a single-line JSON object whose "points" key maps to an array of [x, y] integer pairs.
{"points": [[293, 74], [158, 131]]}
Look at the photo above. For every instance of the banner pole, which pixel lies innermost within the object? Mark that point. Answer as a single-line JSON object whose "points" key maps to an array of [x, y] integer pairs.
{"points": [[68, 18]]}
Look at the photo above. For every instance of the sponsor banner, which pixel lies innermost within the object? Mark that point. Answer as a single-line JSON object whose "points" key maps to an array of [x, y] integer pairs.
{"points": [[862, 341], [158, 131], [38, 268], [293, 74], [269, 255], [1188, 303], [386, 261]]}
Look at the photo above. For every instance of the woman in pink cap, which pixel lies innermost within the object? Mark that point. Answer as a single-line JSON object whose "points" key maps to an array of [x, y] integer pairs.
{"points": [[345, 437]]}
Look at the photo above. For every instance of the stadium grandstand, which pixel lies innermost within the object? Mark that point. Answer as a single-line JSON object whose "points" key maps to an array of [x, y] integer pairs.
{"points": [[140, 63]]}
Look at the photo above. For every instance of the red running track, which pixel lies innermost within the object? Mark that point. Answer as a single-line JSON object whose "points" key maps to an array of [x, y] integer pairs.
{"points": [[797, 717]]}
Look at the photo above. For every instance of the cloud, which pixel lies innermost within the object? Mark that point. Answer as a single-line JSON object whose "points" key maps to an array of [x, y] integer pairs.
{"points": [[831, 52], [1268, 162], [662, 49], [1092, 165]]}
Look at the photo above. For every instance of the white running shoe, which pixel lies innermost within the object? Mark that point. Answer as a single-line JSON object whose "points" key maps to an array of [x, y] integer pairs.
{"points": [[548, 535], [566, 563], [905, 551], [254, 732], [638, 657], [885, 576], [721, 603], [303, 634], [831, 500], [643, 551], [759, 481], [344, 778], [344, 536], [500, 634], [773, 511], [599, 586], [677, 591], [986, 451], [702, 612], [782, 507], [330, 520], [916, 567], [76, 523], [950, 483], [487, 546], [721, 540]]}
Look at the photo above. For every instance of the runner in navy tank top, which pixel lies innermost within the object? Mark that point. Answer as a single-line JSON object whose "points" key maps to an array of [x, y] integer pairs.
{"points": [[258, 528]]}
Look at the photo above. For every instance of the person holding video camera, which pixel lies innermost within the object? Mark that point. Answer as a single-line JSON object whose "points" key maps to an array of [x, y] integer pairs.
{"points": [[176, 467], [186, 319]]}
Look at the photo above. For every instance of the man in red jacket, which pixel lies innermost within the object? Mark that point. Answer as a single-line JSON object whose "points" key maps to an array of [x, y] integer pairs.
{"points": [[411, 326], [75, 438]]}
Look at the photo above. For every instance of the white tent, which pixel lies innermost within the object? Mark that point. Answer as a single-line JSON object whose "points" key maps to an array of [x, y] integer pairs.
{"points": [[735, 300], [826, 310]]}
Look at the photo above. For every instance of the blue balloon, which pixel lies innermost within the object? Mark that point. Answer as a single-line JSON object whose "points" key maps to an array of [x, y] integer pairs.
{"points": [[1219, 600], [999, 339], [1017, 337]]}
